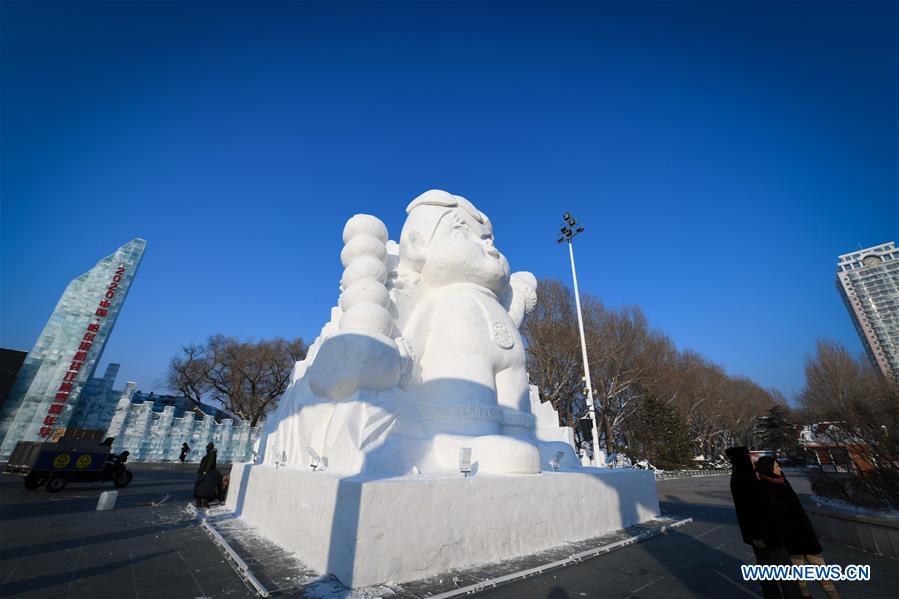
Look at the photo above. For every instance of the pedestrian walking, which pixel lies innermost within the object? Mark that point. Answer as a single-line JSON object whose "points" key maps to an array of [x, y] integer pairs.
{"points": [[792, 522], [185, 449], [757, 526]]}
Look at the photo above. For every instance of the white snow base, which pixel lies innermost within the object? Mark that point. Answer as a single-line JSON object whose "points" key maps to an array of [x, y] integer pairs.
{"points": [[373, 531]]}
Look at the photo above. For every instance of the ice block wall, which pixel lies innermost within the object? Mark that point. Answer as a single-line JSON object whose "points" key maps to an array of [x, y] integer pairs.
{"points": [[157, 436]]}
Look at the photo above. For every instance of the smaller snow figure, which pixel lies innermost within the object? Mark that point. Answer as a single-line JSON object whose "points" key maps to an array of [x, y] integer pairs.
{"points": [[585, 459]]}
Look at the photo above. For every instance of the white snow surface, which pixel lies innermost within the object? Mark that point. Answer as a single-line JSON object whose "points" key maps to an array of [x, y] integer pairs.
{"points": [[367, 531], [854, 509]]}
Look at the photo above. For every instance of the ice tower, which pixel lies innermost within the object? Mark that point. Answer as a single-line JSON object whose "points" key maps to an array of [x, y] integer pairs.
{"points": [[49, 385]]}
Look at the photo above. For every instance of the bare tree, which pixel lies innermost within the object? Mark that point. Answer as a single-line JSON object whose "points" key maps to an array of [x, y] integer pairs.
{"points": [[245, 377], [865, 407], [616, 342], [629, 362], [833, 377], [187, 373], [553, 351]]}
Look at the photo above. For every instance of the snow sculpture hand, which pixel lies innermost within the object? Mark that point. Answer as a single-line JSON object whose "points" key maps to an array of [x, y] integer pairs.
{"points": [[363, 353], [524, 295]]}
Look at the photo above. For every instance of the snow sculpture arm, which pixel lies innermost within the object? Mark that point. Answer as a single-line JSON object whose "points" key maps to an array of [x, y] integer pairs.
{"points": [[524, 296], [363, 353]]}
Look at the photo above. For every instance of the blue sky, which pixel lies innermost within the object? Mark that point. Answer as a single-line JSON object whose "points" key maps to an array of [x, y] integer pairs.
{"points": [[721, 156]]}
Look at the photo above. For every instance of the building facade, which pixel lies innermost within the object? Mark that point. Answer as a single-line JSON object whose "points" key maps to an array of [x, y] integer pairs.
{"points": [[46, 393], [11, 361], [868, 281]]}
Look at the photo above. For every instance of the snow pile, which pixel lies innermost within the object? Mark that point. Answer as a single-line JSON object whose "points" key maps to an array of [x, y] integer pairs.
{"points": [[842, 506], [619, 460]]}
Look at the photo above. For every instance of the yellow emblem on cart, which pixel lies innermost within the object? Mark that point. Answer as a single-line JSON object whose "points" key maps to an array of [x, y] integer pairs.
{"points": [[84, 461], [62, 460]]}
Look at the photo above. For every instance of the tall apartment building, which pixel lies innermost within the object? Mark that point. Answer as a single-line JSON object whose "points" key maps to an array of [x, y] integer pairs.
{"points": [[868, 281], [48, 388]]}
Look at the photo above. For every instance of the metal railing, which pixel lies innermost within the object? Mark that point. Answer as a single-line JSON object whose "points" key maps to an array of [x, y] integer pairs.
{"points": [[666, 474]]}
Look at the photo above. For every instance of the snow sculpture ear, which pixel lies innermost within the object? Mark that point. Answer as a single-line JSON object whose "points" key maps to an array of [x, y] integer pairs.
{"points": [[415, 249], [424, 215]]}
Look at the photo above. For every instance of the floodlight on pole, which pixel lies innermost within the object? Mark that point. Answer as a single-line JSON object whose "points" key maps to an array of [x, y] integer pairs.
{"points": [[568, 233]]}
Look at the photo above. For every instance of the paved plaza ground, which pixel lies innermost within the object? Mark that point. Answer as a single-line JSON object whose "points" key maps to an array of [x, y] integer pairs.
{"points": [[59, 546], [701, 559]]}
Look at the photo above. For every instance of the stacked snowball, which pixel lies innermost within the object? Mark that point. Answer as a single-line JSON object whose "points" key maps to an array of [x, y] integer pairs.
{"points": [[364, 298]]}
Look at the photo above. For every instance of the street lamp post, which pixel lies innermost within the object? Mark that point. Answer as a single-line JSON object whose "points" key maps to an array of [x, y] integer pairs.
{"points": [[569, 230]]}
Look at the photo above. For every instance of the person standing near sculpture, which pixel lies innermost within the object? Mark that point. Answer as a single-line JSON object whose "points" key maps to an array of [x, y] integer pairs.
{"points": [[791, 521], [208, 463], [757, 524], [209, 480]]}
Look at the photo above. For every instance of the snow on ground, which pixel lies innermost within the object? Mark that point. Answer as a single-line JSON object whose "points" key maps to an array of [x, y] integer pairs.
{"points": [[855, 509]]}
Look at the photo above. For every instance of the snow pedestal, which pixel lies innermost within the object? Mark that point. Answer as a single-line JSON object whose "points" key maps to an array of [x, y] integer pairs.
{"points": [[369, 531]]}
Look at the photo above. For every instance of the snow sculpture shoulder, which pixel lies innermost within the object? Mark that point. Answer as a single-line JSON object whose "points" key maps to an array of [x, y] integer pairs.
{"points": [[422, 356]]}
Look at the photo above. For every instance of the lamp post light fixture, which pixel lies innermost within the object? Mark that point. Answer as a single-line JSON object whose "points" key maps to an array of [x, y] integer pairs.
{"points": [[570, 229]]}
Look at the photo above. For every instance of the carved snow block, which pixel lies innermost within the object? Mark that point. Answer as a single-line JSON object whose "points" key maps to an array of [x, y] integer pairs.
{"points": [[369, 531]]}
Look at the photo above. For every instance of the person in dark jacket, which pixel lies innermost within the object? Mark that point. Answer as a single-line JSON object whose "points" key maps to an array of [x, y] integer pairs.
{"points": [[209, 480], [756, 523], [792, 522], [185, 449], [209, 487], [207, 464]]}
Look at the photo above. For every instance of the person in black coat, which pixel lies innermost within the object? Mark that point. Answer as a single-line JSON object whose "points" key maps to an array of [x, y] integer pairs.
{"points": [[209, 487], [207, 464], [791, 521], [757, 525], [185, 449], [209, 480]]}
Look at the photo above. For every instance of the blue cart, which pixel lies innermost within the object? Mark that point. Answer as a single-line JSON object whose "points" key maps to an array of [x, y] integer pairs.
{"points": [[68, 460]]}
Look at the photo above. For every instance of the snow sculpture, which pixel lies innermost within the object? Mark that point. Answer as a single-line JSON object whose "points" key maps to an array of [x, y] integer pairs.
{"points": [[422, 356]]}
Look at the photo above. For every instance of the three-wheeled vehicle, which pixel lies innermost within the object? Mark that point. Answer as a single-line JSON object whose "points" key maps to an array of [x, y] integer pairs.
{"points": [[68, 460]]}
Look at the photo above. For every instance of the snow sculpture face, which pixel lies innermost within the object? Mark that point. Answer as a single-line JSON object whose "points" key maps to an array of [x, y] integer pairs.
{"points": [[447, 240]]}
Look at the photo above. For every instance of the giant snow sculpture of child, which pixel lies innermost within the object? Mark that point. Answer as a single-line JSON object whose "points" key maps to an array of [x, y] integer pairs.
{"points": [[422, 357]]}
